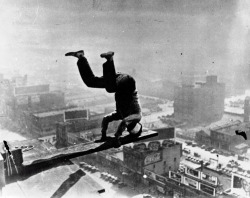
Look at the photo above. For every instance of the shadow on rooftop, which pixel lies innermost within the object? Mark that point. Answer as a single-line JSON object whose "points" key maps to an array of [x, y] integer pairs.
{"points": [[68, 183], [29, 171]]}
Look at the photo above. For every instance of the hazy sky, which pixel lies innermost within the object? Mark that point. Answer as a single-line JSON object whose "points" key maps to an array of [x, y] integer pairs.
{"points": [[156, 37]]}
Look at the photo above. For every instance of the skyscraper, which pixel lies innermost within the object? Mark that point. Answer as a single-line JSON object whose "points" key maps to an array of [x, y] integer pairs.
{"points": [[202, 102]]}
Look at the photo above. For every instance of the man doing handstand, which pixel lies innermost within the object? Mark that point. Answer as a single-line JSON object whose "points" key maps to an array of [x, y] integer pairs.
{"points": [[123, 85]]}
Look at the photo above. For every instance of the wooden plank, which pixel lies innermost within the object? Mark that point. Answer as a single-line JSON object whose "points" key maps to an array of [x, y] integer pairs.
{"points": [[85, 149]]}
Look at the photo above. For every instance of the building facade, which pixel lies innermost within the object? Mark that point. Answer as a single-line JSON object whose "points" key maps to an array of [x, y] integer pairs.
{"points": [[53, 99], [203, 137], [44, 124], [158, 157]]}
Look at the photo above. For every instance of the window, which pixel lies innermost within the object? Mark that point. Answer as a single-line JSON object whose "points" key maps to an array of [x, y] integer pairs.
{"points": [[164, 163], [154, 166], [175, 159], [169, 167]]}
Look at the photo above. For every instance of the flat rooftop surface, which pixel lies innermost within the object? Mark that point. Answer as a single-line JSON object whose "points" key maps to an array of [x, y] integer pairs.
{"points": [[64, 181], [190, 164]]}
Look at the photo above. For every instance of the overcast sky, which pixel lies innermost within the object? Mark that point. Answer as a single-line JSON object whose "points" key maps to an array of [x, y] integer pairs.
{"points": [[156, 37]]}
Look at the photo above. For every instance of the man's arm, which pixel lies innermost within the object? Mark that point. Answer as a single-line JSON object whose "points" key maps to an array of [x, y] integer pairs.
{"points": [[109, 118], [126, 121], [132, 118]]}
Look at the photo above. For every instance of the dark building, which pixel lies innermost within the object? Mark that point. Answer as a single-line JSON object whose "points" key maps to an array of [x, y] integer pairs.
{"points": [[44, 124], [222, 136], [203, 102], [203, 137], [225, 138], [61, 134]]}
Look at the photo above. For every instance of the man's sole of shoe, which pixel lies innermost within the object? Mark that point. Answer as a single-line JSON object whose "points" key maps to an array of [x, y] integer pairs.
{"points": [[75, 54], [107, 55]]}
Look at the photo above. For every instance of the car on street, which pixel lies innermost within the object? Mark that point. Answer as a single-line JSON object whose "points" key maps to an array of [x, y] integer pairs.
{"points": [[186, 150], [213, 151], [188, 143], [116, 181], [104, 175], [209, 148], [225, 154], [121, 184], [197, 154], [229, 192], [194, 144], [143, 196]]}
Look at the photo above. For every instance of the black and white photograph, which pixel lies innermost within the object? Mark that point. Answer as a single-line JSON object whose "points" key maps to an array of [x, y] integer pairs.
{"points": [[124, 98]]}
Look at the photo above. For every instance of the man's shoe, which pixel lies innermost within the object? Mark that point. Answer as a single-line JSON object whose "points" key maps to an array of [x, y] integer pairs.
{"points": [[107, 55], [77, 54]]}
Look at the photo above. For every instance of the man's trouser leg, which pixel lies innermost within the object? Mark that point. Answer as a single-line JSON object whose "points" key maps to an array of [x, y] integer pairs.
{"points": [[106, 120], [109, 75], [88, 76], [105, 123]]}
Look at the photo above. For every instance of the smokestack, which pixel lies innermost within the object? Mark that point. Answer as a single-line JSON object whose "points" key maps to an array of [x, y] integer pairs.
{"points": [[246, 109], [202, 165]]}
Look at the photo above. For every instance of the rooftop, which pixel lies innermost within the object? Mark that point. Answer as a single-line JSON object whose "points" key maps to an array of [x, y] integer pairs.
{"points": [[223, 125], [205, 130], [230, 130], [64, 180], [234, 110], [190, 164], [56, 112], [241, 146]]}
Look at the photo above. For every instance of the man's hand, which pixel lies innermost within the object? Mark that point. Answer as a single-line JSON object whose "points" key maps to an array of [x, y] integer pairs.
{"points": [[122, 127]]}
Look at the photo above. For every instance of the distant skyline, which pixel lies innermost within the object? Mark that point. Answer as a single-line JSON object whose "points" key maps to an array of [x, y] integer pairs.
{"points": [[157, 38]]}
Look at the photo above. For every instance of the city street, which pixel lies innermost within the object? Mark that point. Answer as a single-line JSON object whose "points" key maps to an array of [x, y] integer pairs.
{"points": [[206, 155]]}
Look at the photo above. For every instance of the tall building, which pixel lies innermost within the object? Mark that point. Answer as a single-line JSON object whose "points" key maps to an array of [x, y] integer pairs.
{"points": [[52, 100], [246, 109], [202, 102], [44, 124]]}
